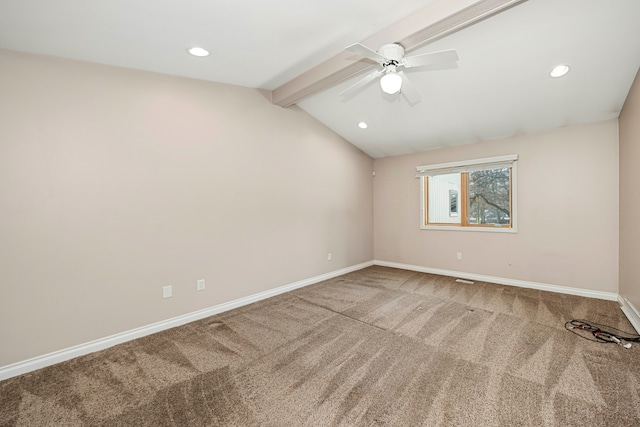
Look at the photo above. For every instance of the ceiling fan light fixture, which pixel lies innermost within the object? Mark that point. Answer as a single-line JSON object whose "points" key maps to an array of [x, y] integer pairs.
{"points": [[559, 71], [198, 51], [391, 83]]}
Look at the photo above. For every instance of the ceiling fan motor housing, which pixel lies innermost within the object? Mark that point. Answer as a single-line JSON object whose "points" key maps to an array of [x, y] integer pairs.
{"points": [[392, 51]]}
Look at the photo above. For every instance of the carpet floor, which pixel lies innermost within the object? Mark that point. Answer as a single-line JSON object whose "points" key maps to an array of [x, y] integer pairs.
{"points": [[376, 347]]}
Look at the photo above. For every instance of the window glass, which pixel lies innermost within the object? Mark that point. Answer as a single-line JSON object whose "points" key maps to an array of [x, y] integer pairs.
{"points": [[440, 203], [489, 193]]}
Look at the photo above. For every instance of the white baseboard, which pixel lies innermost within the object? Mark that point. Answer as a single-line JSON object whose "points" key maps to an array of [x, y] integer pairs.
{"points": [[39, 362], [631, 312], [610, 296]]}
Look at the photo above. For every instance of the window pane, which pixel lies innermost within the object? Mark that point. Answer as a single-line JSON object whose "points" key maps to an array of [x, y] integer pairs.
{"points": [[443, 192], [489, 197]]}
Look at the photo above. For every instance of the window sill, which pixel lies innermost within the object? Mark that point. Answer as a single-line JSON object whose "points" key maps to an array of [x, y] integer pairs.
{"points": [[480, 229]]}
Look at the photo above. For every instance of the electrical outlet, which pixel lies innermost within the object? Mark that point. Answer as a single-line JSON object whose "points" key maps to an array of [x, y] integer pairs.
{"points": [[329, 256], [459, 255], [167, 292], [200, 285]]}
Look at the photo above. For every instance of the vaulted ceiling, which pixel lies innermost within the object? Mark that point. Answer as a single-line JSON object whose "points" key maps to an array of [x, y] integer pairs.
{"points": [[295, 51]]}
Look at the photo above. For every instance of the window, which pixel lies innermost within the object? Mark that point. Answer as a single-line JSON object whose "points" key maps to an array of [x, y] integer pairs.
{"points": [[453, 202], [476, 194]]}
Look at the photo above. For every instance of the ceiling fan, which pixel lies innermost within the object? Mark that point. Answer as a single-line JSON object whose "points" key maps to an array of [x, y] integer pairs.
{"points": [[392, 78]]}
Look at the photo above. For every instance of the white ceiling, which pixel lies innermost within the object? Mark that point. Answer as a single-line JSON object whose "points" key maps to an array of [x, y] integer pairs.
{"points": [[254, 43], [502, 85], [500, 88]]}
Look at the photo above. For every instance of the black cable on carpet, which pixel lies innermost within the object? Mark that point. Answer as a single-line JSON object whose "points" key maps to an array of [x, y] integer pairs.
{"points": [[597, 332]]}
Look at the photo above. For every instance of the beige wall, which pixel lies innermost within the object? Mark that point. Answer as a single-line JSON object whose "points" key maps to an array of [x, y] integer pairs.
{"points": [[567, 211], [630, 196], [114, 183]]}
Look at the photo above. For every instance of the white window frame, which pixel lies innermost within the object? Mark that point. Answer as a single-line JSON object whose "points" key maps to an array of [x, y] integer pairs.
{"points": [[468, 166]]}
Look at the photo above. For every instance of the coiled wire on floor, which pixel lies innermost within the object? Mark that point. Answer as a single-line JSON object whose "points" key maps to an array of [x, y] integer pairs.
{"points": [[598, 332]]}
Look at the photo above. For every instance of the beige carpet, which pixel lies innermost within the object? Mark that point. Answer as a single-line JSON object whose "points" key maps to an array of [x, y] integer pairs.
{"points": [[377, 347]]}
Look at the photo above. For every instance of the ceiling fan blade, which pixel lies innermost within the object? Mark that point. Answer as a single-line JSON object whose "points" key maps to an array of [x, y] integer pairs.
{"points": [[430, 58], [409, 90], [354, 88], [362, 50], [435, 67]]}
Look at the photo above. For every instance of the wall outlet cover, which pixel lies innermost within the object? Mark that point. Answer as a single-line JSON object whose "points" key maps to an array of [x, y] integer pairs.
{"points": [[167, 292]]}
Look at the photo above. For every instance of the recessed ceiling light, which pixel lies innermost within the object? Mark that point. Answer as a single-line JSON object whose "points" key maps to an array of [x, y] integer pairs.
{"points": [[559, 71], [198, 51], [363, 125]]}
